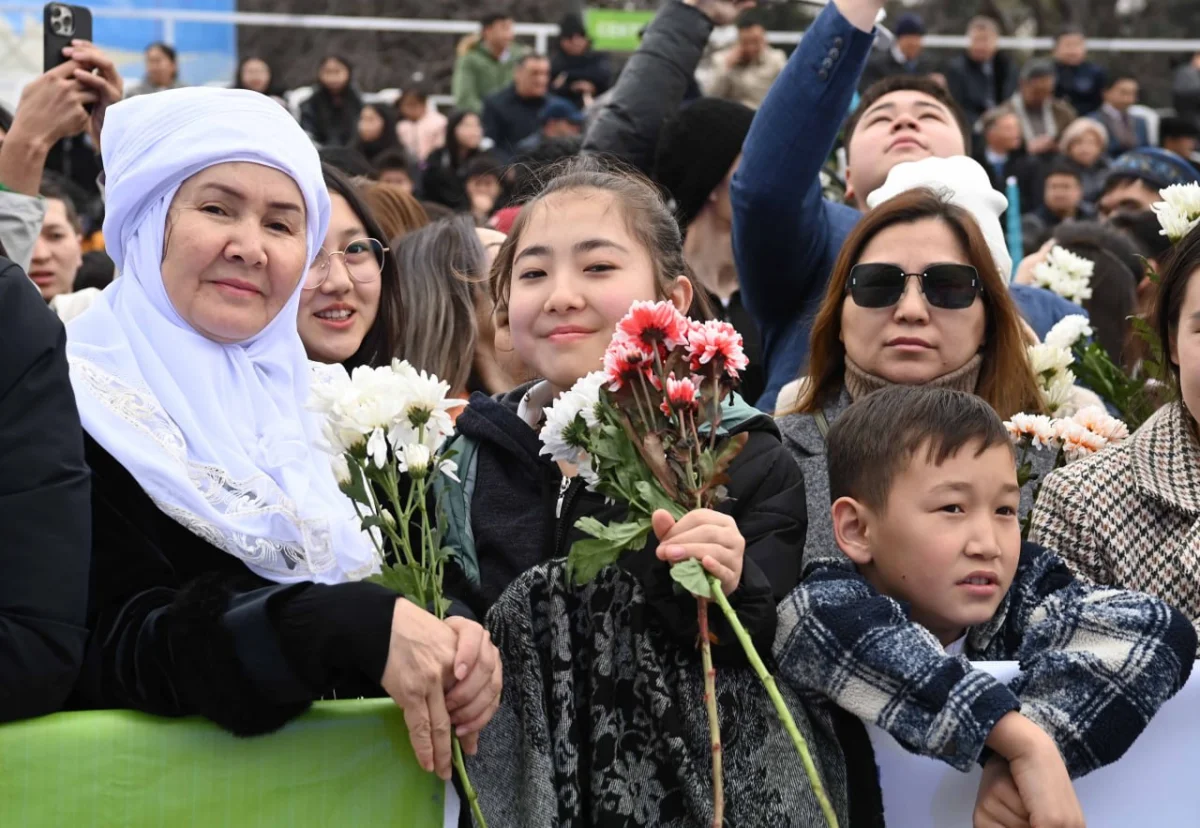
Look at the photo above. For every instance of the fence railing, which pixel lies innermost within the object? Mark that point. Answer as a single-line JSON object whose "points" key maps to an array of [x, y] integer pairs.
{"points": [[542, 33]]}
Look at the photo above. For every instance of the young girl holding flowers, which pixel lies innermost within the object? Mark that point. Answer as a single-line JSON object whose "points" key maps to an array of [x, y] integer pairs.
{"points": [[603, 718]]}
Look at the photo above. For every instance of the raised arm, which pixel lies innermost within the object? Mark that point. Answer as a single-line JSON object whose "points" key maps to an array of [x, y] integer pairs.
{"points": [[840, 639], [1096, 663], [781, 224], [651, 87]]}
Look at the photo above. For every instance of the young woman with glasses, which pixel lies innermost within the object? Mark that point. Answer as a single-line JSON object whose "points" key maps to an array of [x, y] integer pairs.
{"points": [[349, 305], [915, 299]]}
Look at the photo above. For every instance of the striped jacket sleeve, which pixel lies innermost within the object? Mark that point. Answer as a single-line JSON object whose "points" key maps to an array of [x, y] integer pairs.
{"points": [[840, 639], [1096, 663]]}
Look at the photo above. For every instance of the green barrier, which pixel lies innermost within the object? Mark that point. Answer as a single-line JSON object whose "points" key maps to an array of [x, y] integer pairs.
{"points": [[345, 763], [614, 30]]}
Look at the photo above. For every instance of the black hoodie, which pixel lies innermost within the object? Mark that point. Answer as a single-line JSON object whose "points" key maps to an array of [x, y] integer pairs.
{"points": [[523, 514]]}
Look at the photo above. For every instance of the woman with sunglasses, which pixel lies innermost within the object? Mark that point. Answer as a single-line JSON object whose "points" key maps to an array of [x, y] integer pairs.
{"points": [[915, 299], [348, 307]]}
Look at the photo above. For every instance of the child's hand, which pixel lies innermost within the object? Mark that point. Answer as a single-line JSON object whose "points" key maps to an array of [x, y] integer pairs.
{"points": [[1039, 772], [999, 804], [710, 537], [1046, 789]]}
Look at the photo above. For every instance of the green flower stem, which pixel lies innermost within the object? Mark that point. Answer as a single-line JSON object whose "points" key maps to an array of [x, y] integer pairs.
{"points": [[472, 798], [714, 723], [785, 716]]}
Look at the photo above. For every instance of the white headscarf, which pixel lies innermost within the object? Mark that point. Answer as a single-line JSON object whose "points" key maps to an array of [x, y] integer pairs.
{"points": [[217, 435], [962, 181]]}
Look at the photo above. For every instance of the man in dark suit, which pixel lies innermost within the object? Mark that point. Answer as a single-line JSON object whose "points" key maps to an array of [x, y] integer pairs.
{"points": [[981, 77], [1126, 131], [1077, 80]]}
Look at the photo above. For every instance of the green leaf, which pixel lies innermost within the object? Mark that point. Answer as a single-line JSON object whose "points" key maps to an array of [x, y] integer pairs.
{"points": [[588, 557], [652, 498], [401, 579], [355, 489], [443, 606], [691, 576]]}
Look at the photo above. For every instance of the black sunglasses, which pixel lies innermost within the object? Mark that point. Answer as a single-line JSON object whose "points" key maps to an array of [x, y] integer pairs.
{"points": [[947, 286]]}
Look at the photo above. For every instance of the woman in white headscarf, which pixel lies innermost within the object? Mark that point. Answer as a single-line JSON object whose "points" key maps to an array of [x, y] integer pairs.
{"points": [[227, 565]]}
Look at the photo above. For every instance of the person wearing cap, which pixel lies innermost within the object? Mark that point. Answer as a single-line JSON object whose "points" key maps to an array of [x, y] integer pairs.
{"points": [[906, 55], [698, 154], [514, 113], [559, 118], [1180, 136], [1136, 177], [745, 71], [1043, 117], [578, 72]]}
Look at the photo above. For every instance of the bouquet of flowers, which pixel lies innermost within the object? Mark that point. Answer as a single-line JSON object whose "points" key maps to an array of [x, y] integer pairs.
{"points": [[1072, 438], [646, 432], [1065, 273], [1069, 355], [386, 429], [1179, 211]]}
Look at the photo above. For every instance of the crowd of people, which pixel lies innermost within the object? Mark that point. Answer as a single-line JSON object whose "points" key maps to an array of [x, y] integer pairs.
{"points": [[178, 543]]}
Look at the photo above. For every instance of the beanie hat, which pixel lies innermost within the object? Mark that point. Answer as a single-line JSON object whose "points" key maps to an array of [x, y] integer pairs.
{"points": [[959, 180], [909, 24], [1159, 168], [695, 151]]}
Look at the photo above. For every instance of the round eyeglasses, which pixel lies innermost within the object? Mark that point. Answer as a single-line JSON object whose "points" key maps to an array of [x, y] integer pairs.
{"points": [[363, 259]]}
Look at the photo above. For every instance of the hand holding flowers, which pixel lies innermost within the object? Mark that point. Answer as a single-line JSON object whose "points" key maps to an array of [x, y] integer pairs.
{"points": [[647, 431], [386, 430]]}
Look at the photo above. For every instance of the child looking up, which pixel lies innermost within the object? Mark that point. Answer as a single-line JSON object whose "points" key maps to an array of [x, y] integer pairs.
{"points": [[925, 498]]}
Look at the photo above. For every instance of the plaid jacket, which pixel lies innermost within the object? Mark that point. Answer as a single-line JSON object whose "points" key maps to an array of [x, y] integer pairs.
{"points": [[1096, 664], [1130, 516]]}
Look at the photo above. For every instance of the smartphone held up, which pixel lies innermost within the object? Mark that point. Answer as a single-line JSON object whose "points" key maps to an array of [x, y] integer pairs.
{"points": [[63, 23]]}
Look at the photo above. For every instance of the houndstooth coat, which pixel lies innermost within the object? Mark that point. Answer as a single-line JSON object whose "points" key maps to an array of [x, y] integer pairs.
{"points": [[1130, 516]]}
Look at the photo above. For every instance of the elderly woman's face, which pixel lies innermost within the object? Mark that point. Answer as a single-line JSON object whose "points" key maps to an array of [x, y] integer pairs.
{"points": [[234, 249]]}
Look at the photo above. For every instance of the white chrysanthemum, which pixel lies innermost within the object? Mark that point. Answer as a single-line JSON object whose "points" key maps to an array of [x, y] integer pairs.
{"points": [[1098, 421], [1049, 359], [589, 389], [414, 459], [1038, 428], [377, 448], [584, 467], [1065, 273], [1058, 393], [1179, 211], [1068, 331], [426, 404], [341, 468], [580, 402], [1183, 197]]}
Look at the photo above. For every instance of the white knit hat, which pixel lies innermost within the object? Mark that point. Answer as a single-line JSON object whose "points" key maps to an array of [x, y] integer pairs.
{"points": [[962, 181]]}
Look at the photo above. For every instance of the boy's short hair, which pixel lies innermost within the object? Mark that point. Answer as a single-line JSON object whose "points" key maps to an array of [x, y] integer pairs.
{"points": [[910, 83], [1062, 167], [54, 186], [873, 441]]}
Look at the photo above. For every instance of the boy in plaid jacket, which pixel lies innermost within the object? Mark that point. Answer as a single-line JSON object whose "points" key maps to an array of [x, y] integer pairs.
{"points": [[936, 575]]}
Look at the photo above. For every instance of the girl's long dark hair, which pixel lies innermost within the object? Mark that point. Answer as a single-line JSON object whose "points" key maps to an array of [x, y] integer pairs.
{"points": [[379, 345]]}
